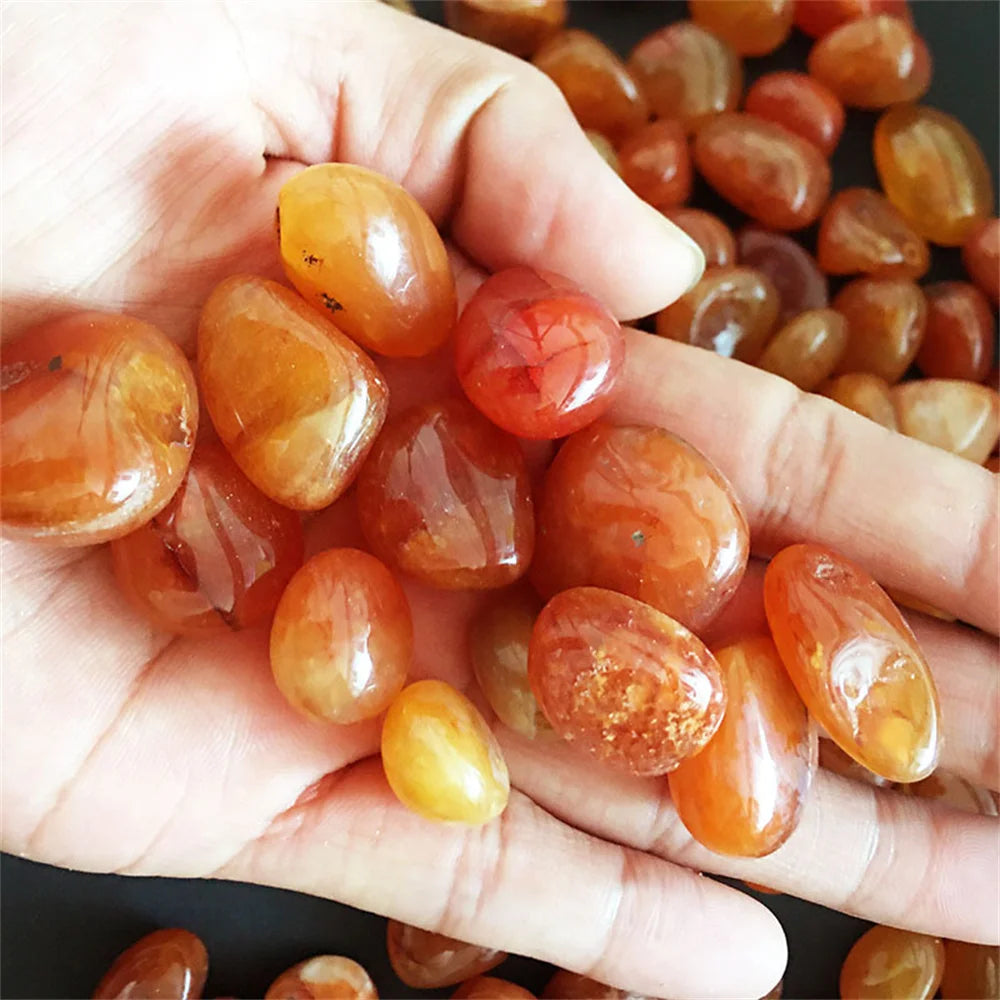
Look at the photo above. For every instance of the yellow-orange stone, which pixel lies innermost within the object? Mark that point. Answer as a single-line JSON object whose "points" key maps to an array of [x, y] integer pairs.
{"points": [[890, 964], [426, 960], [961, 417], [806, 349], [971, 971], [865, 394], [325, 977]]}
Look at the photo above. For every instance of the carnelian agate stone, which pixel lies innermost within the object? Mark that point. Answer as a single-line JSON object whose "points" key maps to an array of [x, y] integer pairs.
{"points": [[440, 757], [971, 971], [428, 961], [710, 233], [801, 104], [981, 257], [638, 510], [292, 399], [819, 17], [99, 415], [217, 556], [959, 341], [807, 349], [489, 988], [961, 417], [167, 963], [342, 637], [832, 758], [656, 164], [865, 394], [890, 964], [854, 661], [624, 681], [445, 497], [743, 794], [788, 266], [362, 250], [517, 26], [537, 355], [325, 977], [752, 27], [566, 985]]}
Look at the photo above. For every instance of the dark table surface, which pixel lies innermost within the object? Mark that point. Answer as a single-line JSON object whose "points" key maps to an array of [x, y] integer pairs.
{"points": [[61, 929]]}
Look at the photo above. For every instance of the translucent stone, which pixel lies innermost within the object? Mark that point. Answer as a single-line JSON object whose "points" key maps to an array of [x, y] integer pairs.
{"points": [[981, 257], [890, 964], [832, 758], [489, 988], [960, 339], [710, 233], [806, 350], [788, 265], [656, 164], [517, 26], [801, 104], [865, 394], [427, 961], [323, 978], [167, 963], [752, 27], [971, 971]]}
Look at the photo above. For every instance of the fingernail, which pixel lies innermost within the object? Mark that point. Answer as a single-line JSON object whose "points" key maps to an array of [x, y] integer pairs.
{"points": [[698, 257]]}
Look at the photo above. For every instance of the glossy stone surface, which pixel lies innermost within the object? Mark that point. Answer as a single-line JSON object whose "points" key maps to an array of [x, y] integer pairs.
{"points": [[862, 232], [806, 349], [744, 792], [445, 496], [775, 176], [427, 961], [687, 73], [959, 341], [955, 792], [819, 17], [872, 62], [961, 417], [441, 759], [325, 977], [971, 971], [832, 758], [362, 250], [536, 354], [751, 27], [167, 963], [933, 171], [886, 318], [517, 26], [489, 988], [605, 149], [854, 661], [865, 394], [710, 233], [731, 311], [656, 164], [601, 92], [217, 557], [788, 265], [565, 985], [623, 681], [801, 104], [637, 510], [890, 964], [981, 257], [295, 402], [99, 416]]}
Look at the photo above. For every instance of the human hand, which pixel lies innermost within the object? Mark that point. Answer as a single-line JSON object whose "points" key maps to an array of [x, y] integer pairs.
{"points": [[137, 185]]}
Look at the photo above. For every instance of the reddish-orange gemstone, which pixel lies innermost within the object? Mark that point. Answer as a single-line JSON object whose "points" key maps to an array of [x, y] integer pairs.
{"points": [[517, 26], [886, 318], [801, 104], [638, 510], [325, 977], [865, 394], [710, 233], [819, 17], [854, 660], [890, 964], [566, 985], [656, 164], [687, 73], [427, 961], [790, 267], [536, 354], [956, 793], [752, 27], [743, 793], [992, 463], [167, 963], [971, 971], [489, 988], [445, 497], [959, 341], [99, 416], [832, 758], [807, 349], [217, 556], [981, 257], [775, 176], [905, 600]]}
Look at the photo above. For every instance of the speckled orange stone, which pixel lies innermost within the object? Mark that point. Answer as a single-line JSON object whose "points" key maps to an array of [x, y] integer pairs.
{"points": [[325, 977], [890, 964], [961, 417], [981, 257], [971, 971], [752, 27], [490, 988], [710, 233], [801, 104], [427, 961], [960, 338], [167, 963], [656, 164], [806, 349], [517, 26], [865, 394]]}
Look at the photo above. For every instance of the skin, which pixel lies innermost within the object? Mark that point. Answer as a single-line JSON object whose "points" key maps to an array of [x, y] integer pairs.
{"points": [[136, 185]]}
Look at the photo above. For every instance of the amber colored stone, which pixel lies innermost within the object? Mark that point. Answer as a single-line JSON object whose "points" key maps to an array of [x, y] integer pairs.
{"points": [[775, 176], [656, 164], [959, 340], [955, 792], [517, 26], [445, 496], [710, 233], [790, 267], [566, 985], [865, 394], [961, 417], [886, 318], [890, 964], [605, 149], [99, 416], [819, 17], [854, 660], [637, 510], [441, 759], [832, 758], [862, 232], [971, 971], [601, 92], [992, 463], [295, 402], [807, 349], [623, 681], [536, 354], [801, 104], [752, 27], [325, 977], [933, 171], [743, 793], [872, 62], [489, 988], [427, 961], [217, 557], [167, 963], [687, 73], [981, 257]]}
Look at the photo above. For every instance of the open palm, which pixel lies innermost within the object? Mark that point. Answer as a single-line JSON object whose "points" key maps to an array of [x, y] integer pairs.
{"points": [[143, 152]]}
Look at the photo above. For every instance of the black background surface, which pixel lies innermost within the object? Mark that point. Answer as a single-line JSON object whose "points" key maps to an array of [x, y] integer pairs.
{"points": [[60, 930]]}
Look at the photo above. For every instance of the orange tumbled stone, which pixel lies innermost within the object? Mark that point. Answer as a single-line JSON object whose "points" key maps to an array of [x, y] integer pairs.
{"points": [[959, 341], [427, 961], [687, 73], [637, 510], [862, 232], [956, 793], [710, 233], [604, 148], [445, 496], [890, 964], [788, 265], [743, 793], [807, 349], [325, 977], [623, 681], [490, 988], [934, 172], [775, 176], [517, 26], [295, 402], [819, 17], [99, 416], [656, 164], [801, 104], [167, 963], [905, 600], [832, 758], [961, 417], [752, 27], [971, 971], [981, 257], [565, 985], [854, 660], [865, 394], [600, 91], [362, 250], [441, 759], [886, 318]]}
